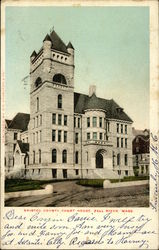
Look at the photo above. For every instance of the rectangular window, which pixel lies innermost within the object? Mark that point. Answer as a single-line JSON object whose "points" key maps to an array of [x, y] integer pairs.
{"points": [[53, 118], [88, 122], [121, 142], [34, 122], [78, 122], [37, 121], [76, 157], [76, 138], [59, 135], [101, 136], [40, 119], [33, 157], [126, 129], [65, 173], [59, 119], [33, 138], [39, 156], [88, 136], [40, 136], [65, 136], [74, 122], [53, 135], [126, 159], [65, 120], [126, 172], [76, 171], [121, 128], [94, 135], [126, 142], [117, 142], [36, 137], [118, 159], [15, 136], [100, 122], [94, 121], [119, 172], [117, 128], [54, 173], [108, 126]]}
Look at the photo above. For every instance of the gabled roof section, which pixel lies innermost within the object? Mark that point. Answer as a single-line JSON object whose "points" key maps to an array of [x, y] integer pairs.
{"points": [[24, 147], [47, 38], [34, 54], [7, 122], [20, 121], [57, 43], [83, 102]]}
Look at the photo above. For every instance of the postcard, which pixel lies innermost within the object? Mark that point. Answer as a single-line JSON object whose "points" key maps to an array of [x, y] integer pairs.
{"points": [[79, 124]]}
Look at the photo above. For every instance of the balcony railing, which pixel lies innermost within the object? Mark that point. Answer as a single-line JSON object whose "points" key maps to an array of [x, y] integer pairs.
{"points": [[98, 142]]}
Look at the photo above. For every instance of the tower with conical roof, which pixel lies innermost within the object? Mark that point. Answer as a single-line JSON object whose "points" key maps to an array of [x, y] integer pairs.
{"points": [[51, 109]]}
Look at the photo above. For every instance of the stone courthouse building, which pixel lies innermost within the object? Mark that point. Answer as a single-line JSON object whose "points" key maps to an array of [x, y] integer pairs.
{"points": [[70, 135]]}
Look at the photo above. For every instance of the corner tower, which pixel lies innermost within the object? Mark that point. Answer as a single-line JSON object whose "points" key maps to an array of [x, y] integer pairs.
{"points": [[51, 110]]}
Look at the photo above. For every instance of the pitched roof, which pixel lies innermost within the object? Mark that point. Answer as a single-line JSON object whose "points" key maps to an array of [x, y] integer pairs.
{"points": [[7, 121], [83, 102], [24, 147], [69, 45], [57, 43], [20, 121]]}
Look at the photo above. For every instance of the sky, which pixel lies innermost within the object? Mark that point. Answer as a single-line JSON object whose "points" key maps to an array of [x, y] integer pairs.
{"points": [[111, 51]]}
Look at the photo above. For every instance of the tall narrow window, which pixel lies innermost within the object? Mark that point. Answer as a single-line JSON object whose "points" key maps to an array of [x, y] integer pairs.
{"points": [[53, 135], [94, 135], [76, 138], [117, 128], [53, 118], [108, 126], [65, 136], [59, 135], [40, 136], [37, 121], [126, 129], [121, 142], [74, 122], [100, 136], [64, 156], [36, 137], [94, 121], [126, 159], [33, 157], [33, 138], [121, 128], [59, 101], [40, 119], [37, 104], [88, 122], [100, 122], [15, 136], [34, 122], [53, 155], [78, 122], [117, 142], [76, 157], [126, 142], [88, 136], [118, 159], [59, 119], [39, 156], [65, 120]]}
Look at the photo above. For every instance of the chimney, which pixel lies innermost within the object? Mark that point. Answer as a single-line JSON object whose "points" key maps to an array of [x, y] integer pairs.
{"points": [[92, 90]]}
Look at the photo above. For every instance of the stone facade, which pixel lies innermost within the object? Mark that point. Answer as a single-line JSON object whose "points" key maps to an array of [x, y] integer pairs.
{"points": [[72, 135]]}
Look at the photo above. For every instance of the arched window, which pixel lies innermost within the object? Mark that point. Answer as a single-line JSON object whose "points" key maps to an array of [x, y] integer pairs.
{"points": [[33, 157], [64, 156], [99, 160], [54, 155], [59, 78], [38, 82], [37, 104], [59, 104]]}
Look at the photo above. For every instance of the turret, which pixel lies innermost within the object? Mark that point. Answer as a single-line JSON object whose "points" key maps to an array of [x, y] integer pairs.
{"points": [[47, 53], [70, 50]]}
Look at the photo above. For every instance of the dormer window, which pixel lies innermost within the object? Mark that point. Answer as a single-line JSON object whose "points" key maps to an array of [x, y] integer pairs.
{"points": [[119, 110]]}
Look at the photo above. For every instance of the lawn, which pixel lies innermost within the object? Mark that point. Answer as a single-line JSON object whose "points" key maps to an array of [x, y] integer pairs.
{"points": [[14, 185], [98, 183]]}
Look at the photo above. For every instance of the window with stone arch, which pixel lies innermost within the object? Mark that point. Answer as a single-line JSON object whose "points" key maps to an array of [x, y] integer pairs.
{"points": [[64, 156], [37, 104], [38, 82], [54, 155], [59, 78], [59, 101]]}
